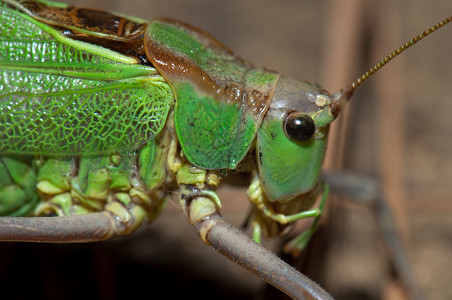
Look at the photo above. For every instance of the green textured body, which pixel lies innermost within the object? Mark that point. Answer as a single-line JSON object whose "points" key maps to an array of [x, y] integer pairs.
{"points": [[82, 184], [66, 97], [221, 99], [108, 117], [76, 117], [77, 127]]}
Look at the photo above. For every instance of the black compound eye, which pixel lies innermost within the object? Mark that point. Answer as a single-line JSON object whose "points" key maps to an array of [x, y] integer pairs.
{"points": [[299, 126]]}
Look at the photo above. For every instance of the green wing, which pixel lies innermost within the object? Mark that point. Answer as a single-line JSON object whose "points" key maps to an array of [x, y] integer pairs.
{"points": [[221, 99], [64, 96]]}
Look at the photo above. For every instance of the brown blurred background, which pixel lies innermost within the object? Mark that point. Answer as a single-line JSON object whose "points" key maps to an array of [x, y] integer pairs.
{"points": [[398, 131]]}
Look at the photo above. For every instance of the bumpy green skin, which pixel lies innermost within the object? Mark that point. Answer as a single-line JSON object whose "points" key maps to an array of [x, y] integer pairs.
{"points": [[18, 194], [221, 99], [65, 97], [212, 132], [68, 186], [79, 124]]}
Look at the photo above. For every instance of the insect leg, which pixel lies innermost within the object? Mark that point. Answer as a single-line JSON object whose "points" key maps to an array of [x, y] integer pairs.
{"points": [[366, 191], [203, 214], [266, 211], [300, 242], [75, 229]]}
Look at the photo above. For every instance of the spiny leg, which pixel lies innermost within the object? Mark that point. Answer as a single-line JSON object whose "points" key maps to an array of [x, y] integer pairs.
{"points": [[201, 206], [203, 214]]}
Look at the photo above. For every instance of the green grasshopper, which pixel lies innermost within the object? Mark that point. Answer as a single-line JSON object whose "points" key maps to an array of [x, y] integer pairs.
{"points": [[103, 114]]}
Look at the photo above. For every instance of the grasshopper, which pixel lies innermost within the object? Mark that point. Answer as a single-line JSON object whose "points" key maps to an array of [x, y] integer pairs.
{"points": [[114, 167]]}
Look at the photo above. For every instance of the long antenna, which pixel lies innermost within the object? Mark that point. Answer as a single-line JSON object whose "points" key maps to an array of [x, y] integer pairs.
{"points": [[348, 91]]}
